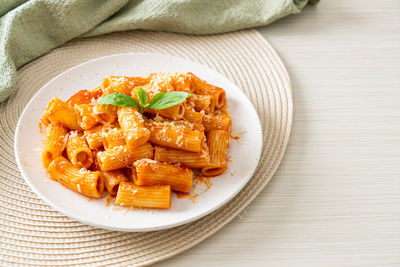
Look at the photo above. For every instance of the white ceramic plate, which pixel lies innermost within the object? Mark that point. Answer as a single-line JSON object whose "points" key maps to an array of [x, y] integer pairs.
{"points": [[244, 154]]}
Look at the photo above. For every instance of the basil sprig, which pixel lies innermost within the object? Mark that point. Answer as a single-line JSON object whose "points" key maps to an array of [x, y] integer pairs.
{"points": [[159, 101]]}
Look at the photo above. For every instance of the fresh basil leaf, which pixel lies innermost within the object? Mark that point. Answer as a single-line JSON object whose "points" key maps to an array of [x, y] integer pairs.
{"points": [[119, 99], [168, 99], [142, 96]]}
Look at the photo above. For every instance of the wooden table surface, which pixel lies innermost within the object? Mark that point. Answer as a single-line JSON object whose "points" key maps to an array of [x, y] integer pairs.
{"points": [[335, 200]]}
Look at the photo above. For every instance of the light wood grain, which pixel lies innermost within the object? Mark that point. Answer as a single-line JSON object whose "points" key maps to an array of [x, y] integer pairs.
{"points": [[335, 200]]}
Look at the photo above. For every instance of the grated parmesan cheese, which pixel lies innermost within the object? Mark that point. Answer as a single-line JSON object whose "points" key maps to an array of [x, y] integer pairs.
{"points": [[73, 134], [146, 161]]}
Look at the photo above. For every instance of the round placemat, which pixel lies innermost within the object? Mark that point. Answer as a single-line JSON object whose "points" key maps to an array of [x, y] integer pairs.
{"points": [[32, 233]]}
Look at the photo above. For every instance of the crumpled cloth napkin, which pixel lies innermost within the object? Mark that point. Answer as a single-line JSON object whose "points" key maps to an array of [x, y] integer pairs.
{"points": [[29, 29]]}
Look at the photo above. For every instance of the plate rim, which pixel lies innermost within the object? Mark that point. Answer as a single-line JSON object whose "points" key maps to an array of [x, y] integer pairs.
{"points": [[144, 229]]}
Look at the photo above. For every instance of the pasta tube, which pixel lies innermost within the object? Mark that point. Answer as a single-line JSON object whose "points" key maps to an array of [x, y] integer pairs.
{"points": [[113, 137], [80, 180], [220, 121], [175, 135], [219, 97], [78, 151], [182, 82], [181, 123], [85, 115], [117, 84], [121, 156], [105, 114], [132, 125], [138, 81], [112, 179], [203, 88], [130, 194], [204, 102], [175, 112], [187, 158], [159, 83], [218, 142], [151, 172], [59, 111], [94, 137], [96, 93], [54, 142], [82, 97], [193, 116]]}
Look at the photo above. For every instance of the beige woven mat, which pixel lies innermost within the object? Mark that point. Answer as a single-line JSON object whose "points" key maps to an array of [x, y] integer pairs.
{"points": [[31, 233]]}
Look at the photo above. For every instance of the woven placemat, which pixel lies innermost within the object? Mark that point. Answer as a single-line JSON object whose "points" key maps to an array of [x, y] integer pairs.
{"points": [[32, 233]]}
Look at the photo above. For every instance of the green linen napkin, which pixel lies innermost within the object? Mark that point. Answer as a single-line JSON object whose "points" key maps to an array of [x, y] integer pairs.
{"points": [[29, 29]]}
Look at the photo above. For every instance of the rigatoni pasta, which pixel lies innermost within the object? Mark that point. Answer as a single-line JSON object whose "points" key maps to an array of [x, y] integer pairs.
{"points": [[171, 134], [82, 97], [78, 179], [85, 116], [78, 151], [94, 137], [151, 172], [187, 158], [204, 102], [221, 121], [54, 142], [132, 125], [158, 196], [112, 180], [140, 152], [113, 137], [96, 93], [105, 114], [115, 83], [218, 142], [193, 116], [201, 87], [175, 112], [123, 156], [59, 111]]}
